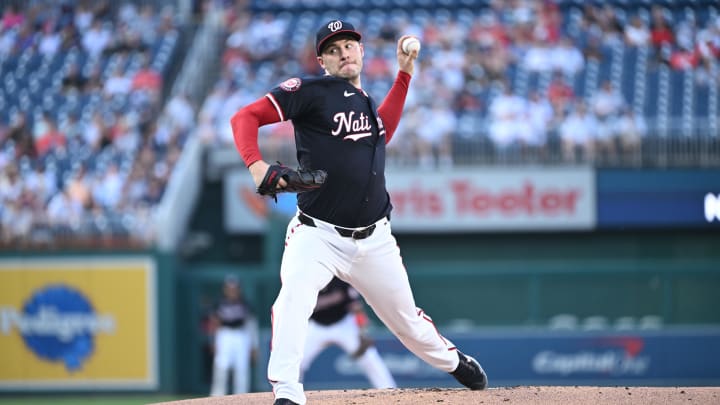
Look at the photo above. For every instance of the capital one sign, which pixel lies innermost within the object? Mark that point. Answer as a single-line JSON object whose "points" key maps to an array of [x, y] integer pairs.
{"points": [[493, 199]]}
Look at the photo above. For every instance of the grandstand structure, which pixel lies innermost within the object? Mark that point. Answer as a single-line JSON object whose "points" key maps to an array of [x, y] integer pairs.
{"points": [[85, 145], [472, 49], [91, 159]]}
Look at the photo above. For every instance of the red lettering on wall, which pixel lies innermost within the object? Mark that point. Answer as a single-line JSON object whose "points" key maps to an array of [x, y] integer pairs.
{"points": [[415, 201], [528, 200]]}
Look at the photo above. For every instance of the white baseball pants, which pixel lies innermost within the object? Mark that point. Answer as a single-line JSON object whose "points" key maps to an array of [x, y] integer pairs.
{"points": [[313, 255], [232, 351]]}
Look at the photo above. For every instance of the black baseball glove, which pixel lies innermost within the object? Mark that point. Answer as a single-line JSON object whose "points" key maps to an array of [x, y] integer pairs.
{"points": [[298, 181]]}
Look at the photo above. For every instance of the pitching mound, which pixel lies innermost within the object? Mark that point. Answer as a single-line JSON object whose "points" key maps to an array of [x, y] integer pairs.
{"points": [[504, 396]]}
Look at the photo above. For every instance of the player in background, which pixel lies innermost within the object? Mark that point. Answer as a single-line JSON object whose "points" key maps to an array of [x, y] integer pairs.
{"points": [[342, 229], [236, 340], [339, 319]]}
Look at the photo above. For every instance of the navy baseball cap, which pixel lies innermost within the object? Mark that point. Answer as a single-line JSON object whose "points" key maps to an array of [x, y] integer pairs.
{"points": [[331, 29]]}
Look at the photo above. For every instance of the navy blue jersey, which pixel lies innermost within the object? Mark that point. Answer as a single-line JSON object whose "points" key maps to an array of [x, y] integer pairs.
{"points": [[232, 313], [337, 129], [334, 302]]}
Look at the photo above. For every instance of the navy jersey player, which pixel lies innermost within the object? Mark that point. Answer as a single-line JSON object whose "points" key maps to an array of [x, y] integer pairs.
{"points": [[339, 319], [341, 229], [235, 339]]}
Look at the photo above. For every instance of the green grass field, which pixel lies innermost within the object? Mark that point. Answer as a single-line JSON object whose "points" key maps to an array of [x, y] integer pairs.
{"points": [[90, 399]]}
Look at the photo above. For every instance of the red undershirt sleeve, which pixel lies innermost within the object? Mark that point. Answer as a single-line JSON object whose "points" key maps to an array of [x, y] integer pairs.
{"points": [[245, 124], [391, 108]]}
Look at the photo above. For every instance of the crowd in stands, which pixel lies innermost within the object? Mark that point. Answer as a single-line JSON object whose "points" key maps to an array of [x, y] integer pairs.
{"points": [[85, 147], [88, 142], [506, 81]]}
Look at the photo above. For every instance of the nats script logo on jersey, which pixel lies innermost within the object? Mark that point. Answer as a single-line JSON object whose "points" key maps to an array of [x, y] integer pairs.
{"points": [[354, 127]]}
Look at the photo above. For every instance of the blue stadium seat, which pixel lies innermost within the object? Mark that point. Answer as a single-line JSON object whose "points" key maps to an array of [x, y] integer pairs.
{"points": [[676, 93], [629, 69], [651, 94]]}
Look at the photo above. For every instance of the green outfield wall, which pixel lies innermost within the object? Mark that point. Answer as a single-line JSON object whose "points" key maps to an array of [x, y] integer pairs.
{"points": [[459, 280]]}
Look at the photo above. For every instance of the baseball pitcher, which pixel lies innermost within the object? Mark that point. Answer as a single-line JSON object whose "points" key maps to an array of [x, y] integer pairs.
{"points": [[342, 228]]}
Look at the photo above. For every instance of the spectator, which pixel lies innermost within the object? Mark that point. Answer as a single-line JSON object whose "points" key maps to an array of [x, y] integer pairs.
{"points": [[126, 40], [73, 128], [49, 139], [508, 120], [593, 50], [83, 16], [685, 33], [680, 59], [566, 57], [607, 101], [435, 135], [118, 83], [629, 131], [50, 41], [96, 38], [145, 24], [181, 111], [63, 213], [74, 79], [449, 60], [15, 223], [95, 133], [123, 133], [19, 132], [265, 36], [41, 183], [606, 104], [487, 31], [12, 17], [539, 57], [79, 188], [404, 147], [11, 185], [637, 32], [708, 43], [578, 135], [539, 115], [107, 191], [661, 32], [610, 26], [95, 81], [147, 80], [26, 38], [559, 92], [70, 37]]}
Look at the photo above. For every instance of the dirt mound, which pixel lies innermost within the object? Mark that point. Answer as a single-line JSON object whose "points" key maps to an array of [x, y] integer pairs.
{"points": [[510, 395]]}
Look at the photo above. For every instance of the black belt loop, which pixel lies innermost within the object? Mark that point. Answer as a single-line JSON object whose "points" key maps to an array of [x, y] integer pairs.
{"points": [[306, 220], [344, 232]]}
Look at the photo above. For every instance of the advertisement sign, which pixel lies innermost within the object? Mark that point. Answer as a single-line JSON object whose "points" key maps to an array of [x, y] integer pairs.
{"points": [[493, 199], [652, 198], [479, 199], [77, 323], [641, 358]]}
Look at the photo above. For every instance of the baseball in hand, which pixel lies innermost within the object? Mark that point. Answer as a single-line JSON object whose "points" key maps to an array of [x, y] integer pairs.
{"points": [[411, 44]]}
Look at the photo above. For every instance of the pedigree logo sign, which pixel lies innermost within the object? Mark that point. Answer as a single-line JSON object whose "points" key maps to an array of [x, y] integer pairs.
{"points": [[74, 323], [493, 199]]}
